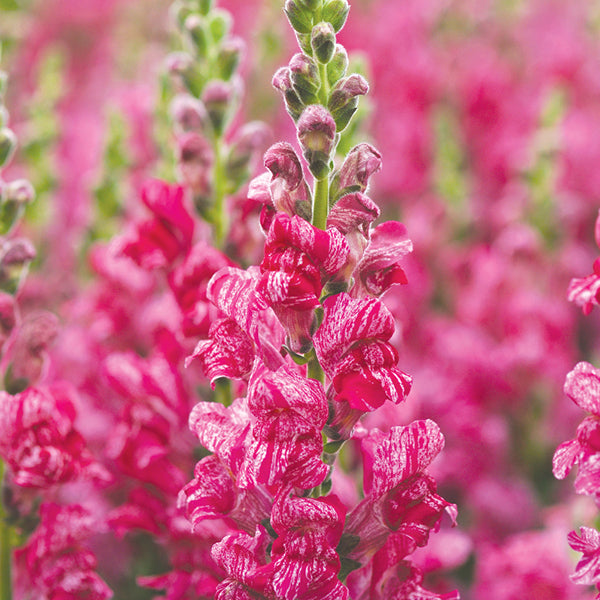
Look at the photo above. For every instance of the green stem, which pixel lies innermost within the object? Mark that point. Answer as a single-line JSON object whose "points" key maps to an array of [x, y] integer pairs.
{"points": [[324, 89], [321, 203], [5, 550], [219, 216]]}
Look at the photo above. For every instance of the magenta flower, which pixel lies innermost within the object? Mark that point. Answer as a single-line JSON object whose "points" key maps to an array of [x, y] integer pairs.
{"points": [[379, 267], [189, 283], [244, 558], [587, 571], [401, 506], [585, 292], [39, 441], [352, 347], [583, 387], [287, 443], [299, 259], [56, 559], [305, 564], [158, 241], [215, 491], [234, 292]]}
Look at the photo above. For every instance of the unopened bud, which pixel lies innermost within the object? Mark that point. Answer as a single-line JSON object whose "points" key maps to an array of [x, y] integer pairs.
{"points": [[299, 17], [182, 68], [8, 317], [251, 138], [283, 82], [354, 174], [15, 257], [205, 6], [196, 29], [14, 197], [219, 97], [195, 159], [8, 143], [311, 4], [179, 12], [229, 56], [188, 113], [316, 134], [343, 100], [219, 24], [323, 42], [304, 75], [336, 12], [3, 116], [338, 65]]}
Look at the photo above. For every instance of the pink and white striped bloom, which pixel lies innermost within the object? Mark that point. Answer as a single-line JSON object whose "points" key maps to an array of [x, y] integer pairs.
{"points": [[353, 349]]}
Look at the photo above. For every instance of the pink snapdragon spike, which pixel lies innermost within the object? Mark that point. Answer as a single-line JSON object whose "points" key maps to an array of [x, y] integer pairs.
{"points": [[583, 387], [156, 242], [352, 347], [299, 259], [305, 564], [401, 505], [56, 559], [39, 441], [585, 292], [286, 445], [587, 542]]}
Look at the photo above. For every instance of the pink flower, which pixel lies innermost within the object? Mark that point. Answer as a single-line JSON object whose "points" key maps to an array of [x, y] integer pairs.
{"points": [[379, 267], [587, 571], [55, 562], [39, 441], [189, 283], [401, 506], [305, 564], [233, 291], [299, 259], [352, 347], [244, 558], [158, 241], [287, 443], [583, 387]]}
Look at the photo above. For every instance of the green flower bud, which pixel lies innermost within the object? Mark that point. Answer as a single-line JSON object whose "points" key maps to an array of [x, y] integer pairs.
{"points": [[336, 12], [282, 81], [219, 24], [316, 134], [182, 67], [205, 6], [14, 197], [179, 13], [229, 56], [197, 32], [8, 143], [304, 75], [300, 18], [337, 67], [323, 42], [15, 256], [311, 5], [343, 100]]}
